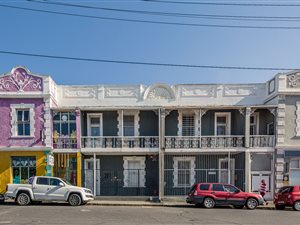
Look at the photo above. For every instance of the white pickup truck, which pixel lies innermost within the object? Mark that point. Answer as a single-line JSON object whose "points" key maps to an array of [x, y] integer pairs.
{"points": [[41, 188]]}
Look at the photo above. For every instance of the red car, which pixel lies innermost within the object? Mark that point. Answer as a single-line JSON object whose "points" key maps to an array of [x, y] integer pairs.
{"points": [[288, 196], [211, 194]]}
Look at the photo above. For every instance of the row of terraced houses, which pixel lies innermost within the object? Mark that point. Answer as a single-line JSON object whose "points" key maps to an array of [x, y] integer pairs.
{"points": [[157, 140]]}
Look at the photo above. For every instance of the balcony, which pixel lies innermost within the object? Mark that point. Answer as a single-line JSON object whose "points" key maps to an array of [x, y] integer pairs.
{"points": [[64, 143], [120, 142], [258, 141], [184, 142]]}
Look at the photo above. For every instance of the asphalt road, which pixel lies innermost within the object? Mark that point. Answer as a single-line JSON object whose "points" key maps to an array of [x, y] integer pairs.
{"points": [[111, 215]]}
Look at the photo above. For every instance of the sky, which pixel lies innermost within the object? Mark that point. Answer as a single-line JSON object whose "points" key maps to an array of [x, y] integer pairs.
{"points": [[61, 35]]}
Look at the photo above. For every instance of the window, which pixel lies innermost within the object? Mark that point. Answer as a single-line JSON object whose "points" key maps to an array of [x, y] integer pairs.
{"points": [[95, 124], [23, 122], [54, 182], [204, 187], [134, 171], [64, 124], [254, 124], [128, 125], [23, 168], [230, 188], [295, 164], [42, 181], [188, 125], [184, 171], [222, 123], [217, 187]]}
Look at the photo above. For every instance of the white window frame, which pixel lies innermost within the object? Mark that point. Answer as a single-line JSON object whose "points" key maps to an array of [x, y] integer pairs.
{"points": [[231, 163], [194, 113], [142, 171], [256, 121], [14, 119], [175, 170], [121, 114], [94, 115], [228, 121]]}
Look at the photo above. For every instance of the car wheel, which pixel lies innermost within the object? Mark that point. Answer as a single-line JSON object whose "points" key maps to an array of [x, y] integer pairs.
{"points": [[238, 206], [280, 207], [252, 203], [209, 203], [23, 199], [75, 200], [296, 206]]}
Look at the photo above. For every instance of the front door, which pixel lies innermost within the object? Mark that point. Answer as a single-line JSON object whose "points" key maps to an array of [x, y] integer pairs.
{"points": [[257, 177], [89, 174], [226, 175], [56, 191], [41, 188], [221, 195]]}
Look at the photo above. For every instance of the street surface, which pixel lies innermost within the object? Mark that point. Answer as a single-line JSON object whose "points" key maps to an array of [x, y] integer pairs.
{"points": [[111, 215]]}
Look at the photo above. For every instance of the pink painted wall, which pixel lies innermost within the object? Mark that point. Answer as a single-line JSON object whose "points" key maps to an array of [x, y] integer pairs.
{"points": [[6, 139]]}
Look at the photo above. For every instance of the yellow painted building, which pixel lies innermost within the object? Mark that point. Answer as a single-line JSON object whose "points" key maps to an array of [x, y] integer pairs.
{"points": [[14, 164]]}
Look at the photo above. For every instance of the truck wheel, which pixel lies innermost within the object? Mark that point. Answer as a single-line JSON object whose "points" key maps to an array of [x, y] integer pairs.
{"points": [[280, 207], [75, 200], [251, 203], [208, 203], [23, 199], [296, 206]]}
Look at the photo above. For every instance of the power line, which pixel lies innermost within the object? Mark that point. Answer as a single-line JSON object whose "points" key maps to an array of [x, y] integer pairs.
{"points": [[224, 3], [145, 63], [154, 22], [176, 14]]}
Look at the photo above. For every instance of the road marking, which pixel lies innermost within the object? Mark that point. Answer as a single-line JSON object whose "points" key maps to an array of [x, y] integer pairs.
{"points": [[85, 210]]}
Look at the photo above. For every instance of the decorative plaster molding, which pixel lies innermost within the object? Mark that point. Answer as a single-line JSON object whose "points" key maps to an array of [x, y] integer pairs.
{"points": [[197, 91], [293, 80], [121, 92], [202, 112], [159, 92], [20, 80], [80, 92], [272, 111], [239, 91], [247, 111]]}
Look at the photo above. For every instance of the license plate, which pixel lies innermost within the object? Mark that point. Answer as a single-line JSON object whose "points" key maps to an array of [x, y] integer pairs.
{"points": [[280, 202]]}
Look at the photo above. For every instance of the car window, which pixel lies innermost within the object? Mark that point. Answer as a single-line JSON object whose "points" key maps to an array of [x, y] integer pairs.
{"points": [[230, 188], [204, 187], [217, 187], [54, 182], [42, 181], [30, 180], [193, 188]]}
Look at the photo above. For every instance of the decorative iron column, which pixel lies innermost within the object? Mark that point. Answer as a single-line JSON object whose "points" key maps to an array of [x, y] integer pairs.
{"points": [[161, 164], [248, 113]]}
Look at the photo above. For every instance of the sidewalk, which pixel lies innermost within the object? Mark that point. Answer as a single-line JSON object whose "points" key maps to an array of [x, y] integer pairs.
{"points": [[153, 204]]}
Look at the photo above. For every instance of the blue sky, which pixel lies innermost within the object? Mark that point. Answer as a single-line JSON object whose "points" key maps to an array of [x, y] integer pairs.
{"points": [[41, 33]]}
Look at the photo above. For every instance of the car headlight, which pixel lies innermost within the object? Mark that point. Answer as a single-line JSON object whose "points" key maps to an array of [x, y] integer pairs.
{"points": [[88, 191]]}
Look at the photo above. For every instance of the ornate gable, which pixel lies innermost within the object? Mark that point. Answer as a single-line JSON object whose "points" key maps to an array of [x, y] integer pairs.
{"points": [[159, 92], [20, 80]]}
